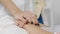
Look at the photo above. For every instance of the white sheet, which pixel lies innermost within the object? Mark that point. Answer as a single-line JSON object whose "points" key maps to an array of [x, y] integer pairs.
{"points": [[8, 26]]}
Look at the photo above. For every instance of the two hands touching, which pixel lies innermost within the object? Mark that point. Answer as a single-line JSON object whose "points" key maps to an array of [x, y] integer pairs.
{"points": [[23, 18], [29, 22]]}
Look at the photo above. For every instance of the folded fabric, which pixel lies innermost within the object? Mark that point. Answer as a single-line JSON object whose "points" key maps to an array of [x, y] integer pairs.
{"points": [[8, 26]]}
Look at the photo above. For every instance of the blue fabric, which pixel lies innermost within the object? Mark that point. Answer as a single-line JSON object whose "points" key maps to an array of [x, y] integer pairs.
{"points": [[40, 19]]}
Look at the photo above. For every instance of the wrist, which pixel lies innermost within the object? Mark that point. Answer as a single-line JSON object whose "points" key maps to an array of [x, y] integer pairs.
{"points": [[25, 26], [16, 14]]}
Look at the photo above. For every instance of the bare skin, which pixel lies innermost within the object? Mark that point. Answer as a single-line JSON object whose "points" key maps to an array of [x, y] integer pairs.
{"points": [[34, 29], [18, 14]]}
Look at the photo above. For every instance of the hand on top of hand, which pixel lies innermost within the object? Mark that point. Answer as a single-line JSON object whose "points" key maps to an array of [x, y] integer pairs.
{"points": [[25, 17]]}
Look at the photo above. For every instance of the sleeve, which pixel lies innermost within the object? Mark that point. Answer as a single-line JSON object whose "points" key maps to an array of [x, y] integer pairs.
{"points": [[39, 4], [44, 17]]}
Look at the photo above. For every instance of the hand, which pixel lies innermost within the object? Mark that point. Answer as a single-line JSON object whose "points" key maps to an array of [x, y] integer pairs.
{"points": [[23, 17], [34, 29]]}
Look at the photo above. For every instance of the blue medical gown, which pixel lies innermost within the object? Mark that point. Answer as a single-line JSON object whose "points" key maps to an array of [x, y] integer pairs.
{"points": [[40, 19]]}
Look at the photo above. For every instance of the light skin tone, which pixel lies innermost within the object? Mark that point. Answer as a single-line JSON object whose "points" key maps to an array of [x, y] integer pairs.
{"points": [[23, 17], [35, 29], [18, 14]]}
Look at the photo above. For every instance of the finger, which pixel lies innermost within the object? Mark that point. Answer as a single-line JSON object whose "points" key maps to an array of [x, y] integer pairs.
{"points": [[33, 15], [20, 24], [22, 19], [16, 22], [34, 20], [27, 18]]}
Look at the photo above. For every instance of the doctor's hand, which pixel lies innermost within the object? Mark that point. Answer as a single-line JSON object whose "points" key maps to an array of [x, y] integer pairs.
{"points": [[23, 17]]}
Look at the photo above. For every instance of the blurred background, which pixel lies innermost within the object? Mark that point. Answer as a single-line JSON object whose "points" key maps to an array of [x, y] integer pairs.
{"points": [[53, 8]]}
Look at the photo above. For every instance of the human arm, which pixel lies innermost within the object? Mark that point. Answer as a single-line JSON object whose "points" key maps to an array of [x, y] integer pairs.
{"points": [[17, 13], [33, 29], [8, 4]]}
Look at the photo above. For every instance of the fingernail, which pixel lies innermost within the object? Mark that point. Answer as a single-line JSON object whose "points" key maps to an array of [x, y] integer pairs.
{"points": [[37, 24], [31, 22], [27, 22]]}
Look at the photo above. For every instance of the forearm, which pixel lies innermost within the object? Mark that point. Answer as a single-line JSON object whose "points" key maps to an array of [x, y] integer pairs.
{"points": [[32, 29], [10, 6]]}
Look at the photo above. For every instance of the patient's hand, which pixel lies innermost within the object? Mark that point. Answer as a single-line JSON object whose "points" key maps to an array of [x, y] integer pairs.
{"points": [[33, 29]]}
